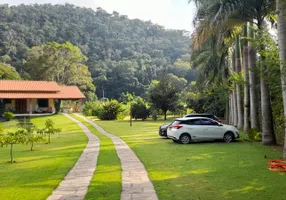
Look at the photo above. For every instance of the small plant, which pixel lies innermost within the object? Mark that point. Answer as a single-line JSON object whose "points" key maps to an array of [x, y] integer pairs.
{"points": [[8, 116], [32, 138], [254, 135], [12, 138], [49, 129]]}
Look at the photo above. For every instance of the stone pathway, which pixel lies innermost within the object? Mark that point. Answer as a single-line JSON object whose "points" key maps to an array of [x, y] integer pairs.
{"points": [[136, 184], [75, 184]]}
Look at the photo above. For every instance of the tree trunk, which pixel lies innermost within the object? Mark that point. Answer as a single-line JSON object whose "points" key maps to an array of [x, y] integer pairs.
{"points": [[49, 138], [230, 110], [227, 112], [32, 145], [234, 97], [11, 153], [254, 120], [246, 83], [238, 87], [281, 9], [234, 109], [268, 136], [165, 114]]}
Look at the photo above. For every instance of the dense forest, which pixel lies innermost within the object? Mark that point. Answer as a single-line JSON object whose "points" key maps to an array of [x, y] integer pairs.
{"points": [[122, 55]]}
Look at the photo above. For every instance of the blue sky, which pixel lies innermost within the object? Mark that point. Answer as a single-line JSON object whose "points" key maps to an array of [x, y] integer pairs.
{"points": [[174, 14]]}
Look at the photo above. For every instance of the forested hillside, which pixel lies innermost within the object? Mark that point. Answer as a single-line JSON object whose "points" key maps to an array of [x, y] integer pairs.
{"points": [[122, 54]]}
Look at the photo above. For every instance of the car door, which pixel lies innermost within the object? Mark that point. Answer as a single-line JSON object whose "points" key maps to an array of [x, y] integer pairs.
{"points": [[195, 128], [212, 129]]}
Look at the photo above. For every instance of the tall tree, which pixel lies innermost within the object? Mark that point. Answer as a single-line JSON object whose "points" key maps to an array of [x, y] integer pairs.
{"points": [[281, 11], [164, 93], [238, 86], [254, 119], [220, 14], [7, 72], [246, 82], [63, 63]]}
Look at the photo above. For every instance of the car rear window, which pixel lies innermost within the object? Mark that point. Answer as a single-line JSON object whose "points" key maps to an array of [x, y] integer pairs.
{"points": [[176, 122]]}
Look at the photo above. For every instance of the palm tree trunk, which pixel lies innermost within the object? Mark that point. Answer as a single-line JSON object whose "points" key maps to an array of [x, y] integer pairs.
{"points": [[234, 96], [230, 110], [254, 120], [234, 109], [227, 112], [281, 9], [246, 83], [238, 87], [268, 136]]}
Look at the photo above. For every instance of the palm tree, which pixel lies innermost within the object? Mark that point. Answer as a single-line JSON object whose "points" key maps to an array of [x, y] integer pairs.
{"points": [[254, 120], [246, 82], [220, 14], [238, 86], [281, 12]]}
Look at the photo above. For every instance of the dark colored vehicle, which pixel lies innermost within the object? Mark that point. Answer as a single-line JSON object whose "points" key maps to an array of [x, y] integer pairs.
{"points": [[163, 128]]}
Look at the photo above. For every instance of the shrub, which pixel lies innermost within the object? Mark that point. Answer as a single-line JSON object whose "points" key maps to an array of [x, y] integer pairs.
{"points": [[109, 110], [88, 108], [155, 115], [92, 108], [1, 129], [254, 135], [139, 109], [8, 116], [121, 116]]}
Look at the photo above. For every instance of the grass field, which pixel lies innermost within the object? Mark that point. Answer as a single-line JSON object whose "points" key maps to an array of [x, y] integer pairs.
{"points": [[37, 173], [106, 183], [205, 171]]}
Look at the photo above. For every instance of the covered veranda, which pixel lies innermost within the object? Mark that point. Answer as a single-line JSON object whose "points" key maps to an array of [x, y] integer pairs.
{"points": [[33, 98]]}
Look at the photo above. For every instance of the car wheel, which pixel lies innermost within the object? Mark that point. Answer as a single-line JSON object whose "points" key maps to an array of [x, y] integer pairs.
{"points": [[185, 138], [228, 137]]}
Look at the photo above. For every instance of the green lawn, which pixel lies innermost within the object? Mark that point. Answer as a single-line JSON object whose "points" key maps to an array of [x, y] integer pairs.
{"points": [[205, 171], [106, 183], [37, 173]]}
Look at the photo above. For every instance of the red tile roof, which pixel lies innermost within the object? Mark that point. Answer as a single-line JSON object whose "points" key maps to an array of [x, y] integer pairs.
{"points": [[28, 86], [37, 90], [70, 92]]}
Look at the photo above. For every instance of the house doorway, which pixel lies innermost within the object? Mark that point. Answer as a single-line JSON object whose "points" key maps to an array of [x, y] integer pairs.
{"points": [[21, 106]]}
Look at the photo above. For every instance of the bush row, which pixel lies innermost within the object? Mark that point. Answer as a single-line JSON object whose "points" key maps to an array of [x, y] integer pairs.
{"points": [[112, 109]]}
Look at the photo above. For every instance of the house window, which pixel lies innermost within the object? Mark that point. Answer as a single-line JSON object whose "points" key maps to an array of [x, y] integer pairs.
{"points": [[44, 103]]}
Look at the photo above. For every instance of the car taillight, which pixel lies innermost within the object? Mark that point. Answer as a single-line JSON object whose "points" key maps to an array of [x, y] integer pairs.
{"points": [[218, 121], [177, 126]]}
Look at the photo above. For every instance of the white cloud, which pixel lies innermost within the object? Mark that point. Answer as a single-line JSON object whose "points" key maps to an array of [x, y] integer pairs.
{"points": [[175, 14]]}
